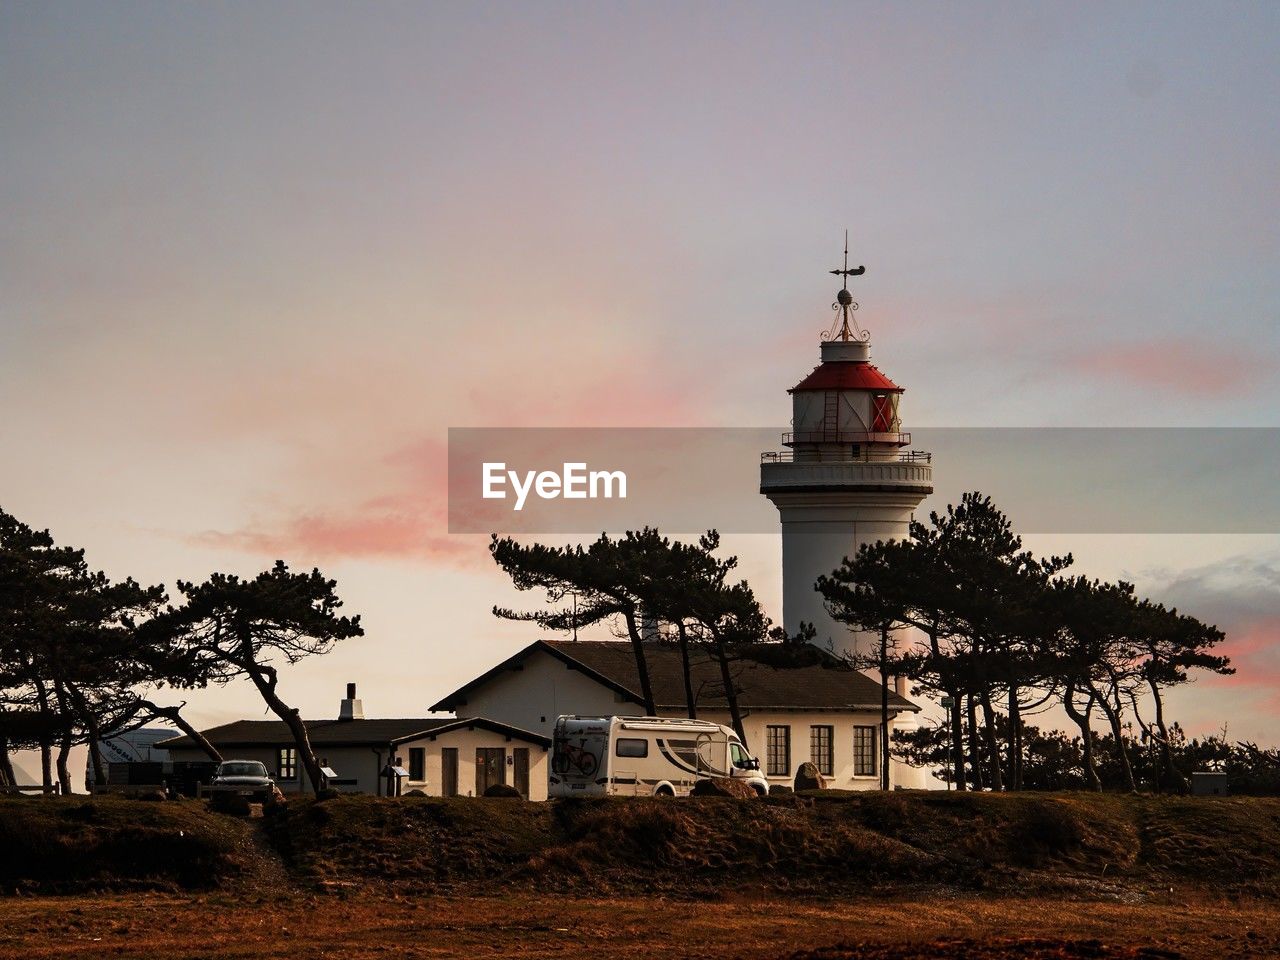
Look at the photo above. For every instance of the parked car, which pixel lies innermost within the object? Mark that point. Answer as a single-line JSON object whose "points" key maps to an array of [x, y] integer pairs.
{"points": [[645, 756], [245, 778]]}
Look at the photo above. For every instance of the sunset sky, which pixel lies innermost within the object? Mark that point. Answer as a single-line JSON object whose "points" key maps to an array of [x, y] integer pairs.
{"points": [[255, 260]]}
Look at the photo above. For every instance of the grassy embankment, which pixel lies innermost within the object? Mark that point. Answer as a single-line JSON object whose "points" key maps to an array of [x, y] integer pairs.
{"points": [[1065, 844]]}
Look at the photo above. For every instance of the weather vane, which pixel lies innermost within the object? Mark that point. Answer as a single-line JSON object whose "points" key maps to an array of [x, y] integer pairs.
{"points": [[844, 300]]}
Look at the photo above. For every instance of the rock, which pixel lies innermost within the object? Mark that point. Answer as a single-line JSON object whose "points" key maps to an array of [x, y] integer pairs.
{"points": [[502, 790], [151, 795], [414, 793], [723, 787], [808, 778], [781, 790]]}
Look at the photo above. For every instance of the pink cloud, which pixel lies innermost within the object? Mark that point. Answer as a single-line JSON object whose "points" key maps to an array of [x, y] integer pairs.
{"points": [[395, 505], [1254, 649], [1176, 366]]}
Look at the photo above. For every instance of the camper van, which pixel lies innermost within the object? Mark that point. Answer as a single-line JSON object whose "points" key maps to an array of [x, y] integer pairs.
{"points": [[645, 756]]}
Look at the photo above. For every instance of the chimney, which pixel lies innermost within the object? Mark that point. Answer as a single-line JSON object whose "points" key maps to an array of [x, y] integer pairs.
{"points": [[649, 629], [351, 708]]}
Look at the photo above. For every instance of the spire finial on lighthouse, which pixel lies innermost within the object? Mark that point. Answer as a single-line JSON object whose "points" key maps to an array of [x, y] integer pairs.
{"points": [[844, 300]]}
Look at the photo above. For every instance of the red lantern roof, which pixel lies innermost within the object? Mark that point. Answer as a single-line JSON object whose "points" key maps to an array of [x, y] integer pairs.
{"points": [[846, 375]]}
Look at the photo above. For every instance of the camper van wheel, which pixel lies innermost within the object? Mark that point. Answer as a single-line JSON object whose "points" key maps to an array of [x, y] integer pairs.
{"points": [[664, 791], [759, 791]]}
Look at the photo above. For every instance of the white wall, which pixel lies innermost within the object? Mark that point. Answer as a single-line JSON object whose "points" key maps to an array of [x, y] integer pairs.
{"points": [[467, 742], [842, 744], [533, 697]]}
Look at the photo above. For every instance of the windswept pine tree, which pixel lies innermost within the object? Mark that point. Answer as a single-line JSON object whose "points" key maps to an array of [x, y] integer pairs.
{"points": [[229, 627], [644, 576], [1001, 634]]}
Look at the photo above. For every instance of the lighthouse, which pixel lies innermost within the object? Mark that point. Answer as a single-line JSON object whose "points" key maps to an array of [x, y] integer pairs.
{"points": [[848, 475]]}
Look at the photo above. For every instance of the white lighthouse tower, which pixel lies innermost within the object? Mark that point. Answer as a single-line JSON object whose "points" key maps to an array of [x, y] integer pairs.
{"points": [[847, 478]]}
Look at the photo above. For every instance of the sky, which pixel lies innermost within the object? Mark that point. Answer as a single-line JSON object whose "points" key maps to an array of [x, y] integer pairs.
{"points": [[255, 260]]}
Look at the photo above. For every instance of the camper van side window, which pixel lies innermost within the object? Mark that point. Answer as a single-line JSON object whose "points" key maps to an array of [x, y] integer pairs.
{"points": [[631, 747]]}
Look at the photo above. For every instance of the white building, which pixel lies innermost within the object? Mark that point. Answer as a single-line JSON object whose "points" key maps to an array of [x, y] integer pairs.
{"points": [[443, 756], [824, 712]]}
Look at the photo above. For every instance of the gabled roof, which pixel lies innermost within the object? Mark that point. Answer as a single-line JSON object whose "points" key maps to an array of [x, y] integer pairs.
{"points": [[847, 375], [823, 684], [345, 733]]}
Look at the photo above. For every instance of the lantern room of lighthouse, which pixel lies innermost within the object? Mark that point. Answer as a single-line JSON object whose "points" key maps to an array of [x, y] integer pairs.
{"points": [[847, 477]]}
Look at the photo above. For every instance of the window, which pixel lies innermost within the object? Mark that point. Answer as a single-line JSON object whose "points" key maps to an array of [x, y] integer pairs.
{"points": [[287, 763], [864, 751], [820, 749], [631, 747], [417, 764], [778, 759], [739, 757]]}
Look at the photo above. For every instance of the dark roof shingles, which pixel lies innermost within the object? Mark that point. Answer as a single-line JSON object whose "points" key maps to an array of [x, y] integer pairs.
{"points": [[826, 685], [334, 733]]}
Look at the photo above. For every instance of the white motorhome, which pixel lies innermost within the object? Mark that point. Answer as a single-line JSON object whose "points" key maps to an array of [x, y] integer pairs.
{"points": [[645, 756]]}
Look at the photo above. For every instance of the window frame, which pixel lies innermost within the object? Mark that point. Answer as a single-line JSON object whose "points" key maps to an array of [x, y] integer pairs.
{"points": [[866, 747], [287, 760], [418, 754], [782, 746], [826, 760], [617, 748]]}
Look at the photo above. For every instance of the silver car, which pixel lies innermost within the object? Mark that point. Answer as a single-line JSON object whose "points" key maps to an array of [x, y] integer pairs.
{"points": [[245, 778]]}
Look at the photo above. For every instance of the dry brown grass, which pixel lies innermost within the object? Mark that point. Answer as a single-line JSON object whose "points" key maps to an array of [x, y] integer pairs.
{"points": [[522, 927], [1077, 844]]}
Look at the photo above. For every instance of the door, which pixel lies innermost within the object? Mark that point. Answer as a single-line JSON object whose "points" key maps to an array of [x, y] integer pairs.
{"points": [[520, 770], [449, 772], [491, 768]]}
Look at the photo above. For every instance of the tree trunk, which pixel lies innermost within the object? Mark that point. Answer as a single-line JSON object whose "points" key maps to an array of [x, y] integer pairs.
{"points": [[65, 740], [46, 766], [8, 777], [1166, 751], [957, 740], [691, 703], [94, 731], [957, 712], [730, 690], [642, 665], [884, 708], [266, 686], [64, 771], [1081, 720], [46, 743], [174, 715], [1113, 720], [993, 742], [1015, 740], [95, 755], [975, 753]]}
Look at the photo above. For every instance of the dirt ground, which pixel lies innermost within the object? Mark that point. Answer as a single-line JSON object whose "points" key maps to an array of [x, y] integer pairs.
{"points": [[354, 927]]}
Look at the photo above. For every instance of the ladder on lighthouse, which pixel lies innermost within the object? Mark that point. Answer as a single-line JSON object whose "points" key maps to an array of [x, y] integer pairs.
{"points": [[831, 416]]}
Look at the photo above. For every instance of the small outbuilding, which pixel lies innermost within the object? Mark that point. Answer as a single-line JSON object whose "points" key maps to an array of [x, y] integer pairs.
{"points": [[1209, 783], [440, 756]]}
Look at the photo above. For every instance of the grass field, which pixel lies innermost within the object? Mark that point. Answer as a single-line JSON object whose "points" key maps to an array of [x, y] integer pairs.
{"points": [[604, 928], [888, 876]]}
